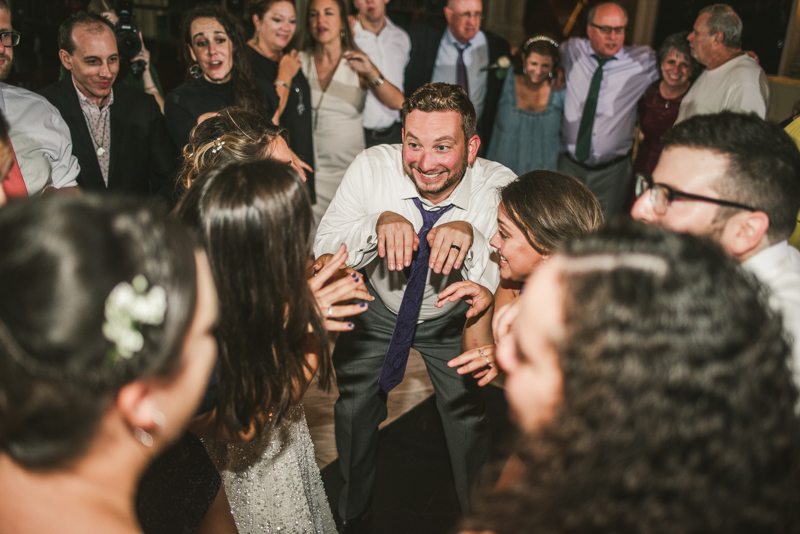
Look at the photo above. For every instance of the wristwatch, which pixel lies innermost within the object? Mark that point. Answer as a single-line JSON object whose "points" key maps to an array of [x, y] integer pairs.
{"points": [[379, 81]]}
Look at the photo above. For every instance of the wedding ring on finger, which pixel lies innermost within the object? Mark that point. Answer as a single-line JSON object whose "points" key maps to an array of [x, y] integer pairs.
{"points": [[482, 355], [456, 247]]}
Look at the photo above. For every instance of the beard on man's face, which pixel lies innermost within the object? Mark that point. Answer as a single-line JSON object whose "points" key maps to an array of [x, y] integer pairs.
{"points": [[5, 68], [454, 176]]}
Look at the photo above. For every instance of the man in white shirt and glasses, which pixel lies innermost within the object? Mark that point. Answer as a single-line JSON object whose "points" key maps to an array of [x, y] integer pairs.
{"points": [[388, 47], [736, 179], [416, 218]]}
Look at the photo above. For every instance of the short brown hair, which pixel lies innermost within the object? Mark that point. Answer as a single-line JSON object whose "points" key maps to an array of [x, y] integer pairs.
{"points": [[443, 97], [550, 208]]}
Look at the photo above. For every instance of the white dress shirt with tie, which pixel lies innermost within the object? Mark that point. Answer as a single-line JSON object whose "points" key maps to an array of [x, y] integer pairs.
{"points": [[376, 183], [476, 59]]}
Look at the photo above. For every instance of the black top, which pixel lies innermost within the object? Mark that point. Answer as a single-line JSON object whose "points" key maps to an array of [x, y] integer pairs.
{"points": [[142, 157], [296, 117], [185, 104]]}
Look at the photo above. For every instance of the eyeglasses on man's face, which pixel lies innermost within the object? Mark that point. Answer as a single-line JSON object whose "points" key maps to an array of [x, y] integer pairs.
{"points": [[10, 38], [662, 195], [470, 15], [606, 30]]}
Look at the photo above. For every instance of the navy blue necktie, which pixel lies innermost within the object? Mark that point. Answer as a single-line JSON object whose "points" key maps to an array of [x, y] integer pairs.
{"points": [[394, 365], [461, 68]]}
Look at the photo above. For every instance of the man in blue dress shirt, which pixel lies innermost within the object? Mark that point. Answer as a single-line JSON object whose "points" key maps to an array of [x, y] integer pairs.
{"points": [[605, 81]]}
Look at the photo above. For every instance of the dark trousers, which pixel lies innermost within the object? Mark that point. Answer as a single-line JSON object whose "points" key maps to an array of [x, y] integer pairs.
{"points": [[610, 183], [361, 407], [384, 136]]}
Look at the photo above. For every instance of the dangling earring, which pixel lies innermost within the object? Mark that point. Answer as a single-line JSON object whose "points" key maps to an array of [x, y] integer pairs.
{"points": [[341, 33], [524, 70], [195, 71], [550, 74], [143, 437], [255, 39]]}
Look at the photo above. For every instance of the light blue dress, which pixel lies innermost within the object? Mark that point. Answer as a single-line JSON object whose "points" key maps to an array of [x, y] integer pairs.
{"points": [[525, 140]]}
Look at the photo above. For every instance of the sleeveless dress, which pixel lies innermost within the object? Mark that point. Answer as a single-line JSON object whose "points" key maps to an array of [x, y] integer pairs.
{"points": [[525, 140], [337, 116], [273, 482]]}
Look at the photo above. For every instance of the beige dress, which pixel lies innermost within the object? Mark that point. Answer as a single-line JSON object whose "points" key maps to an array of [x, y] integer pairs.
{"points": [[337, 127]]}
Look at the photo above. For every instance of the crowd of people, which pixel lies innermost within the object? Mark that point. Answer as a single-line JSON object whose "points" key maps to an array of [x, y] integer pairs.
{"points": [[313, 203]]}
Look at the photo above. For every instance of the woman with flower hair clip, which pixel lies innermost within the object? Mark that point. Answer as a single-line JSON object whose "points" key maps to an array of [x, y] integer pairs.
{"points": [[107, 318], [526, 135], [255, 220]]}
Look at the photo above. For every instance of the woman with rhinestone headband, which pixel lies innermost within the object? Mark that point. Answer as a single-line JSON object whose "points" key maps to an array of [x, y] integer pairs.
{"points": [[526, 134], [255, 220], [107, 316]]}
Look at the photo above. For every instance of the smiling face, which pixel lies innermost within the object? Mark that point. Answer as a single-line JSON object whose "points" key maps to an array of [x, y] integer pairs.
{"points": [[607, 16], [518, 259], [464, 18], [212, 49], [435, 155], [675, 69], [528, 355], [537, 67], [6, 52], [95, 61], [325, 21], [277, 26]]}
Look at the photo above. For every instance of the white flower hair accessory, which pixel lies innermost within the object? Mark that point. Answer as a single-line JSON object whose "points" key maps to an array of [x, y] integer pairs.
{"points": [[128, 307]]}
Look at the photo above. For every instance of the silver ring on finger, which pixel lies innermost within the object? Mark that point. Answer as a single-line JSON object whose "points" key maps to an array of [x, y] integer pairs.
{"points": [[330, 311]]}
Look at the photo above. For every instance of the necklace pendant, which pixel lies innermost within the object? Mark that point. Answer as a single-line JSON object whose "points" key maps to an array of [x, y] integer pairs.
{"points": [[100, 151]]}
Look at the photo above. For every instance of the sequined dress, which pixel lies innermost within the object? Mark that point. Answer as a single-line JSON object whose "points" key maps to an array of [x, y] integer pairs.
{"points": [[273, 483]]}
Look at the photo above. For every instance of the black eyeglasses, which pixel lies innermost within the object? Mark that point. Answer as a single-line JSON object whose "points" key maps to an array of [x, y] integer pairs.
{"points": [[606, 30], [10, 38], [662, 195]]}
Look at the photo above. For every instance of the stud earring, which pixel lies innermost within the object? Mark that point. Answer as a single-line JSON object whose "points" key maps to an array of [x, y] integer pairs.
{"points": [[195, 71], [143, 437]]}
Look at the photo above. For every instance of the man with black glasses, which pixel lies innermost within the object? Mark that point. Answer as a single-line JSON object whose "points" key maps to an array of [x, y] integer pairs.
{"points": [[605, 81], [736, 179], [40, 139]]}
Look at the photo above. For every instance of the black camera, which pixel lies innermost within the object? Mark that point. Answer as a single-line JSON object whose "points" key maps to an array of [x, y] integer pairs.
{"points": [[128, 42]]}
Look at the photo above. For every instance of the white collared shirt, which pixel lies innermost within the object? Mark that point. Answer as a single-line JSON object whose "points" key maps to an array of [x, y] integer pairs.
{"points": [[778, 267], [376, 183], [41, 140], [389, 51], [476, 59]]}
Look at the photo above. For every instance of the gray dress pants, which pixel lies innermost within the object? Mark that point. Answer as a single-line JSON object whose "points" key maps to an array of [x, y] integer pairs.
{"points": [[611, 184], [361, 407]]}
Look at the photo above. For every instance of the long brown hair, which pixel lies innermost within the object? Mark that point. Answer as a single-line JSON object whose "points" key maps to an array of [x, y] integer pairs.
{"points": [[348, 41], [245, 89]]}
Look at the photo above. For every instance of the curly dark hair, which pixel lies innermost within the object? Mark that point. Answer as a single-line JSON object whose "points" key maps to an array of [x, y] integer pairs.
{"points": [[255, 221], [678, 404], [245, 87], [60, 257]]}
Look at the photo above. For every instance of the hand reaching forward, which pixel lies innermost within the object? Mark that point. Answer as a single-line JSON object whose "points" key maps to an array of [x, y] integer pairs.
{"points": [[480, 362], [397, 240], [449, 243], [331, 297], [477, 296]]}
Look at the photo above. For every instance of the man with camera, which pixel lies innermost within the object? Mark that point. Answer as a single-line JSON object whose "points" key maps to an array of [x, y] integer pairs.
{"points": [[119, 134]]}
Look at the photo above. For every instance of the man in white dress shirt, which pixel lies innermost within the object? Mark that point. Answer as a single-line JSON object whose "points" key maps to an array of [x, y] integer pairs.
{"points": [[736, 179], [39, 136], [388, 47], [382, 211], [732, 80]]}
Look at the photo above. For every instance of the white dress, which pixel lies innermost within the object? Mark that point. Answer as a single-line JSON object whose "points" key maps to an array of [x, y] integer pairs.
{"points": [[273, 483], [336, 120]]}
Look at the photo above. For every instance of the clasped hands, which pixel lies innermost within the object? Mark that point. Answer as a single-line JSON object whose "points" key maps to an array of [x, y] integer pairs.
{"points": [[335, 286], [397, 242]]}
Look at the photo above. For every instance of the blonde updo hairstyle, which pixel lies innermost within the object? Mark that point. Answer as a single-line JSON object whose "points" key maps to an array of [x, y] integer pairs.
{"points": [[235, 134]]}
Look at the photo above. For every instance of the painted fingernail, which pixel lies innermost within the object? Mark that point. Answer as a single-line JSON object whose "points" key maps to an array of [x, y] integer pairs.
{"points": [[362, 305], [351, 325], [354, 275]]}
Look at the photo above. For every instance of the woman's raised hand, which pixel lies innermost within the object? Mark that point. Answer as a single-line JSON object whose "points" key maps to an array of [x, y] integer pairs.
{"points": [[334, 288], [480, 362]]}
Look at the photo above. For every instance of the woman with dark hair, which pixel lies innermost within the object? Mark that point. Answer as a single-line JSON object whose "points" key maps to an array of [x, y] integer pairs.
{"points": [[538, 212], [659, 105], [220, 72], [526, 134], [649, 376], [273, 64], [340, 76], [106, 344], [255, 220]]}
